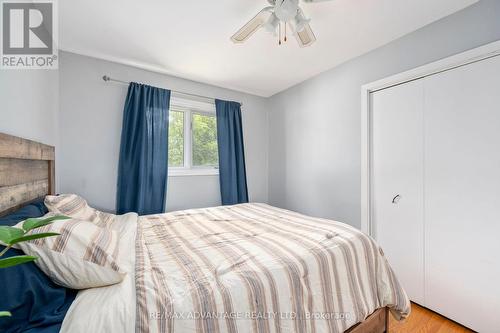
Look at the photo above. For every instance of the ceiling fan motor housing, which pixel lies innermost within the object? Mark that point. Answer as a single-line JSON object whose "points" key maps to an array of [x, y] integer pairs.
{"points": [[286, 10]]}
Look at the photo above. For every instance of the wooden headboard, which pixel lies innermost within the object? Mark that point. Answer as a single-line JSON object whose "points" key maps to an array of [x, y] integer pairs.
{"points": [[27, 172]]}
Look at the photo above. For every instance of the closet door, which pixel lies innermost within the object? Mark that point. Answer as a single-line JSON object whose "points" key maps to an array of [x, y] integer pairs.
{"points": [[462, 194], [397, 186]]}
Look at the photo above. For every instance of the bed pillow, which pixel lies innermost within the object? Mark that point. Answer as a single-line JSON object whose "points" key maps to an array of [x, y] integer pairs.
{"points": [[70, 205], [37, 303], [35, 209], [82, 256], [74, 206]]}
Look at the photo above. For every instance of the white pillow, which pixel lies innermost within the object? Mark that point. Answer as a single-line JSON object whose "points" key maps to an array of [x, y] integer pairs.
{"points": [[76, 207], [82, 256]]}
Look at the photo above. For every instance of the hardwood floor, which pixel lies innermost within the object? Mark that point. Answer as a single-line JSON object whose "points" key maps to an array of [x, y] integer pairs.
{"points": [[422, 320]]}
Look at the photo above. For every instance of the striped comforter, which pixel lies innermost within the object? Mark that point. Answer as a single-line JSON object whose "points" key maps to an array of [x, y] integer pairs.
{"points": [[256, 268]]}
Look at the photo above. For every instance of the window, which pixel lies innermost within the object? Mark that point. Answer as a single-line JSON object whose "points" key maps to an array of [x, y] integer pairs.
{"points": [[192, 137]]}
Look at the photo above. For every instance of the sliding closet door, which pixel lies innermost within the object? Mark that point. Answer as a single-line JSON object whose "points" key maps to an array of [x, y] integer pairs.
{"points": [[397, 187], [462, 194]]}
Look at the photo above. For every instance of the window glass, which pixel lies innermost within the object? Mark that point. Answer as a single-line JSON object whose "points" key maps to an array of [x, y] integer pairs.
{"points": [[176, 139], [204, 140]]}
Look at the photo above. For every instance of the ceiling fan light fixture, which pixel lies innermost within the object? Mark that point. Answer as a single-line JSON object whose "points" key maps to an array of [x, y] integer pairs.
{"points": [[271, 24], [286, 10]]}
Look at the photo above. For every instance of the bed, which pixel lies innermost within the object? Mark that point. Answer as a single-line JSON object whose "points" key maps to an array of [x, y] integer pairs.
{"points": [[243, 268]]}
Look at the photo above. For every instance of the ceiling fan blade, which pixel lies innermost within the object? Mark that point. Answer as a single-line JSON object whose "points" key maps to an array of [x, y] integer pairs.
{"points": [[306, 36], [252, 26]]}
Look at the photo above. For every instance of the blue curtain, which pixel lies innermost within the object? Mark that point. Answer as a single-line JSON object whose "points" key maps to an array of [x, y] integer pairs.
{"points": [[232, 173], [143, 166]]}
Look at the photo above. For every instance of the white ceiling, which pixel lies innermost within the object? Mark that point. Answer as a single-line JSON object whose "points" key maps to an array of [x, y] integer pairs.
{"points": [[190, 38]]}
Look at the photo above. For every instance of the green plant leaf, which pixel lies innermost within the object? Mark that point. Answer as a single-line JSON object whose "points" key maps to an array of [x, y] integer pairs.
{"points": [[5, 314], [31, 224], [7, 234], [33, 236], [16, 260]]}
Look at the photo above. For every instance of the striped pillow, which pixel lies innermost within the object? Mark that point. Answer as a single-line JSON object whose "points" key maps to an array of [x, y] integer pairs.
{"points": [[82, 256], [76, 207]]}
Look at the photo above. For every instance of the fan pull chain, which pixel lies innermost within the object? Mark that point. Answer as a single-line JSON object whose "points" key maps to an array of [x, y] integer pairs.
{"points": [[279, 43], [285, 32]]}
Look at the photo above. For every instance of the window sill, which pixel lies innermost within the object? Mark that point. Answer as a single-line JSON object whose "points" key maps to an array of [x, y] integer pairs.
{"points": [[193, 172]]}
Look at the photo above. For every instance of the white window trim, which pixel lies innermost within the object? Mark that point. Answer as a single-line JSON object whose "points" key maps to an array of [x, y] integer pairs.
{"points": [[184, 172], [190, 107]]}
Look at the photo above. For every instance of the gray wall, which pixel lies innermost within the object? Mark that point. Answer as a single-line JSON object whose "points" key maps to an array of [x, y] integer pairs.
{"points": [[315, 127], [29, 104], [90, 126], [311, 134]]}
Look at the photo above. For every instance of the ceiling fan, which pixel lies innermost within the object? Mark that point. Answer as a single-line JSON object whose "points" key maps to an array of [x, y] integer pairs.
{"points": [[275, 19]]}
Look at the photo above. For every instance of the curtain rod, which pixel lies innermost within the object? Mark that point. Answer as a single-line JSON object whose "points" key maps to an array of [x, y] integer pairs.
{"points": [[109, 79]]}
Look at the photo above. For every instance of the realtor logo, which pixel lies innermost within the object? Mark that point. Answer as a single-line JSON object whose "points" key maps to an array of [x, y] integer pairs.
{"points": [[29, 31]]}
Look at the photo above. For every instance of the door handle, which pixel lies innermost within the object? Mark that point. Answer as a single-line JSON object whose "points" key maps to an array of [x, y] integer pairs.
{"points": [[396, 199]]}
